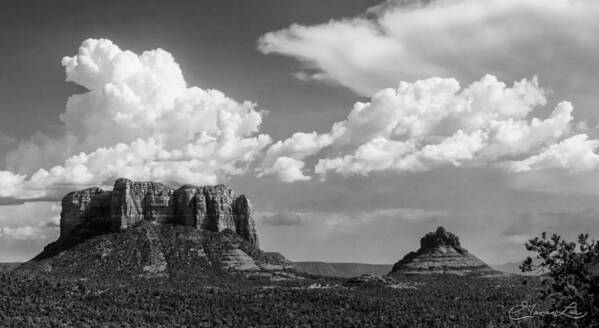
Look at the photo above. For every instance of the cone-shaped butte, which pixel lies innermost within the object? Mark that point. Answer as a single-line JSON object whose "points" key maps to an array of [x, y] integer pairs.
{"points": [[441, 253]]}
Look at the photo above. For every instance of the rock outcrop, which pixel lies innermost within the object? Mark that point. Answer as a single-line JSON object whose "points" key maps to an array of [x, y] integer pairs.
{"points": [[441, 252], [93, 211]]}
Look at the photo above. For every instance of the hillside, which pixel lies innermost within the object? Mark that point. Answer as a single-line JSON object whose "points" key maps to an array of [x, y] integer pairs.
{"points": [[151, 250], [8, 266]]}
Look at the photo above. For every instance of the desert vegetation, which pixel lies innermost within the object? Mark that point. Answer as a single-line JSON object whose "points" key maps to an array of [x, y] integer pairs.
{"points": [[433, 301]]}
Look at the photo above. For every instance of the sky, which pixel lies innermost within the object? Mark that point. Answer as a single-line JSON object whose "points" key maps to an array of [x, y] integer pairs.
{"points": [[354, 127]]}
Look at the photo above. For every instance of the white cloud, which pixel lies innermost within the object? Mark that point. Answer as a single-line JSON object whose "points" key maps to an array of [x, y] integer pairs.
{"points": [[10, 183], [458, 148], [299, 145], [557, 39], [431, 123], [284, 159], [576, 153], [138, 120], [485, 124], [37, 221], [286, 169], [377, 154]]}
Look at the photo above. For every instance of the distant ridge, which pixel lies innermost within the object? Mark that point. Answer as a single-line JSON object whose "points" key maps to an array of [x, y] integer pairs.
{"points": [[512, 268], [440, 252], [343, 270]]}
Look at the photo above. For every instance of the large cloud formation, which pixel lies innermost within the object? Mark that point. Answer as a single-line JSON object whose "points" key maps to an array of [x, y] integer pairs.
{"points": [[434, 122], [409, 40], [140, 120]]}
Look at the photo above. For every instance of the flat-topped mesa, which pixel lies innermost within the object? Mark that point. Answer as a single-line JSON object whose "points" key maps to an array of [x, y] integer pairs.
{"points": [[93, 211]]}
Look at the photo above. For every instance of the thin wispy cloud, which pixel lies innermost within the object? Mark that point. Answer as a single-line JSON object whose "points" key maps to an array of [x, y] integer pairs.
{"points": [[409, 40]]}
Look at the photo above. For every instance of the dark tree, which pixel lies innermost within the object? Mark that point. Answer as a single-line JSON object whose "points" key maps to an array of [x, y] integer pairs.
{"points": [[570, 283]]}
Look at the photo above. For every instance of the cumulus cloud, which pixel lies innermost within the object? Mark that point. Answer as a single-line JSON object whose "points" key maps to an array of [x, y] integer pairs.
{"points": [[140, 120], [411, 39], [54, 220], [298, 146], [576, 153], [285, 169], [37, 221], [435, 122], [431, 122], [45, 230], [283, 159], [10, 183]]}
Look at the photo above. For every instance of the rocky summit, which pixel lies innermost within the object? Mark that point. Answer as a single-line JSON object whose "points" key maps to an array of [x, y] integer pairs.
{"points": [[148, 229], [441, 252]]}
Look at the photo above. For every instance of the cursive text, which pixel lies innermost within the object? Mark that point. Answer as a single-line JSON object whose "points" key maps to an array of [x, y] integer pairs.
{"points": [[527, 311]]}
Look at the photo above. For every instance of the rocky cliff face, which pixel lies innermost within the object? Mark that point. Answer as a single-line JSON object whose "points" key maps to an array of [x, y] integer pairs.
{"points": [[441, 252], [93, 211]]}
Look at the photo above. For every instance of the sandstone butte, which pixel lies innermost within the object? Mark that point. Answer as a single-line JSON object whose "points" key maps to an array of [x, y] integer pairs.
{"points": [[440, 252], [91, 212]]}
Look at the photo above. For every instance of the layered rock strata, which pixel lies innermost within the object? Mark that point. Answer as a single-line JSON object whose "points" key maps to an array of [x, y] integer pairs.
{"points": [[93, 211], [441, 252]]}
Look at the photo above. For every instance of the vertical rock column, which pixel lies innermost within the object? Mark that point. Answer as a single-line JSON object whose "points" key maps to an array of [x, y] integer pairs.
{"points": [[123, 208], [185, 206], [133, 202], [217, 215], [244, 220]]}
